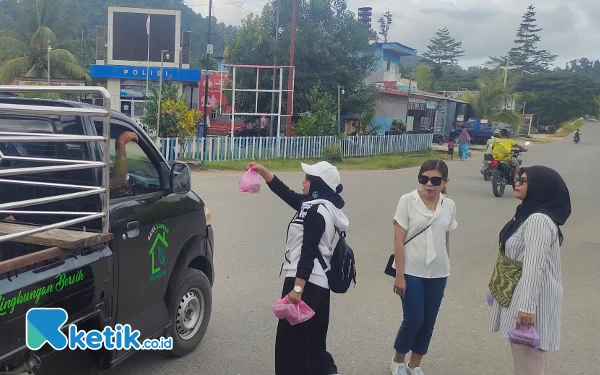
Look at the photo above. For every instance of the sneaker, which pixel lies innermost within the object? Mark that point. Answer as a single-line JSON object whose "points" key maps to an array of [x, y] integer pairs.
{"points": [[414, 371], [398, 368]]}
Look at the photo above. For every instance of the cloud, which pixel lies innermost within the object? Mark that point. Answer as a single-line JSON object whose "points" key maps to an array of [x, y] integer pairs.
{"points": [[570, 30]]}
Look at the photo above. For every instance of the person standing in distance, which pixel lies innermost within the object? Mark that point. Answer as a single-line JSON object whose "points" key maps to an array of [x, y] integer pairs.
{"points": [[302, 349], [422, 225]]}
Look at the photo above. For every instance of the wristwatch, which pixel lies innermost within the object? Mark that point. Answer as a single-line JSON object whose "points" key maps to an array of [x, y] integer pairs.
{"points": [[298, 289]]}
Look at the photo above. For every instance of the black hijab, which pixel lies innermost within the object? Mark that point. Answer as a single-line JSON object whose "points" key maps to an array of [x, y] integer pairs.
{"points": [[320, 190], [547, 193]]}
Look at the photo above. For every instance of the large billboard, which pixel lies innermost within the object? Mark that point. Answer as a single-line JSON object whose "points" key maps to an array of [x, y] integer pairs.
{"points": [[131, 29]]}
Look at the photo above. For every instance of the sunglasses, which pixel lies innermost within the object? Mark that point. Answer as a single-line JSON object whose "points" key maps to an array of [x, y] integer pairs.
{"points": [[435, 181], [521, 180]]}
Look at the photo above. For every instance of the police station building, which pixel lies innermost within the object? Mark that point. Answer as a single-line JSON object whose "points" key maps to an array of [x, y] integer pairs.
{"points": [[135, 40]]}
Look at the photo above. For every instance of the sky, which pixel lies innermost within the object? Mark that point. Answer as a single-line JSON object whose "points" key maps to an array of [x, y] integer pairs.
{"points": [[570, 29]]}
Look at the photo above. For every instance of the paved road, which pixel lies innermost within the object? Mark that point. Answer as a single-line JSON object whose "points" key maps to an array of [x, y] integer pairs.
{"points": [[250, 234]]}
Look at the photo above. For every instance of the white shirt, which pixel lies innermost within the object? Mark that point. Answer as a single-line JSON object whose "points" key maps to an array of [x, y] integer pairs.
{"points": [[426, 256]]}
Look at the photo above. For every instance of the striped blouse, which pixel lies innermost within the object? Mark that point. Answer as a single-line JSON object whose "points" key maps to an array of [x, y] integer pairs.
{"points": [[539, 291]]}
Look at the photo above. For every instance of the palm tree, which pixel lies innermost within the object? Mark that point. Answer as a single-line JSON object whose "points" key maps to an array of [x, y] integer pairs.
{"points": [[488, 103], [24, 45]]}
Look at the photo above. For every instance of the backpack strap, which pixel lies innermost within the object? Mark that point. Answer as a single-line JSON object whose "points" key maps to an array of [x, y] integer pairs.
{"points": [[340, 234]]}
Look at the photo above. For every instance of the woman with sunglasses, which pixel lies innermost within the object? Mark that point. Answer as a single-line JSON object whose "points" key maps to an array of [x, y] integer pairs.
{"points": [[422, 224], [526, 283]]}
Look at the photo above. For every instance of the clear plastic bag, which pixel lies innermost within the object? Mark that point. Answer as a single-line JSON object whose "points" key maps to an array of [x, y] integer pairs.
{"points": [[250, 182], [294, 314], [524, 335]]}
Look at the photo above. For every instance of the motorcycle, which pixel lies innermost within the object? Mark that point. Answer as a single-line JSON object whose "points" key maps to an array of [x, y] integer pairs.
{"points": [[485, 169], [503, 172], [577, 138]]}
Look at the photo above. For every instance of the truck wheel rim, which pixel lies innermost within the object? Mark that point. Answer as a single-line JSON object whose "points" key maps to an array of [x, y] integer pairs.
{"points": [[190, 313]]}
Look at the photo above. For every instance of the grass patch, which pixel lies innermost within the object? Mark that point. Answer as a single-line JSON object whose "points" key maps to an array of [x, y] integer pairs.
{"points": [[569, 127], [378, 162]]}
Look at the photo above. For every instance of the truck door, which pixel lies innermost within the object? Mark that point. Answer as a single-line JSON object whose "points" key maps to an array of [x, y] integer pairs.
{"points": [[143, 216]]}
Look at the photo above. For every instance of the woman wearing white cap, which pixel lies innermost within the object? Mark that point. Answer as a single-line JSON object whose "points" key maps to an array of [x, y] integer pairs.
{"points": [[302, 349]]}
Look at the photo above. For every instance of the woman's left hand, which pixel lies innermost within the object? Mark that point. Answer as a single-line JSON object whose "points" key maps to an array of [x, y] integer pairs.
{"points": [[524, 319], [295, 297]]}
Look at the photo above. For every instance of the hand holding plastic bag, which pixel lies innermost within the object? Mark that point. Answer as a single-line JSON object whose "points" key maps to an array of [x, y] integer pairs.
{"points": [[250, 182], [294, 314], [524, 335]]}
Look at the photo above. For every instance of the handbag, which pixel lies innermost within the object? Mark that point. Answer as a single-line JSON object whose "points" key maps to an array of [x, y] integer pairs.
{"points": [[391, 271], [506, 275]]}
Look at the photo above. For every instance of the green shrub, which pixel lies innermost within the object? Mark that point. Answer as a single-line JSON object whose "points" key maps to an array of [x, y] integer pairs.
{"points": [[332, 153]]}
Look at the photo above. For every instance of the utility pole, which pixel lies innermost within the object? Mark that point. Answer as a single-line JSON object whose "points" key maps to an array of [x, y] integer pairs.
{"points": [[49, 49], [292, 71], [506, 74], [339, 111], [277, 4], [207, 66], [159, 111]]}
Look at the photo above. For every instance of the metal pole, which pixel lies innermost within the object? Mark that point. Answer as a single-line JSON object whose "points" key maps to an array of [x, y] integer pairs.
{"points": [[233, 104], [207, 67], [338, 112], [506, 74], [290, 96], [49, 49], [158, 110], [274, 70], [279, 112]]}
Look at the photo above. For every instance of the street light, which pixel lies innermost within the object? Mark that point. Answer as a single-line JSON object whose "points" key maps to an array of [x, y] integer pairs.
{"points": [[162, 54], [49, 49], [339, 119]]}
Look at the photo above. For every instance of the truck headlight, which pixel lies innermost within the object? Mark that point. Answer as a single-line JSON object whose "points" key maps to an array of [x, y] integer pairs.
{"points": [[207, 215]]}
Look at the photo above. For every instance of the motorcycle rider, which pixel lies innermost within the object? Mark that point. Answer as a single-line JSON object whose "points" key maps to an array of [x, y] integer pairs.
{"points": [[502, 146], [577, 136]]}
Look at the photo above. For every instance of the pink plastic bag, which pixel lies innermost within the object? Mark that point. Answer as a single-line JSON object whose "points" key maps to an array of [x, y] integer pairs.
{"points": [[250, 182], [294, 314], [525, 335]]}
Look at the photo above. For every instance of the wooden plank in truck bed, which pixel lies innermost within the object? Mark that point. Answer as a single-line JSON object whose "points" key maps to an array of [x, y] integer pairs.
{"points": [[63, 238], [40, 256]]}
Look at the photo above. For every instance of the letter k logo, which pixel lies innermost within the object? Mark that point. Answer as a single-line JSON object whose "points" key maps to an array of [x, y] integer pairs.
{"points": [[43, 326]]}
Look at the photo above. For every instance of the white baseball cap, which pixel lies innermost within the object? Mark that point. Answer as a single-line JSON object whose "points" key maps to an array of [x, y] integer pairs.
{"points": [[327, 172]]}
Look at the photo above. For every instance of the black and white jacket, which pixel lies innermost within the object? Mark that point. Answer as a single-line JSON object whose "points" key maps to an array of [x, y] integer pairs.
{"points": [[311, 231]]}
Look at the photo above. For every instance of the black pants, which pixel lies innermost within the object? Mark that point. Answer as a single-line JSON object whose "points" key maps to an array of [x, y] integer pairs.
{"points": [[302, 349]]}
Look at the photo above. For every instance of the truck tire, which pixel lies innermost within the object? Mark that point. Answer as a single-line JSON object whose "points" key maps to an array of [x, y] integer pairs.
{"points": [[191, 307]]}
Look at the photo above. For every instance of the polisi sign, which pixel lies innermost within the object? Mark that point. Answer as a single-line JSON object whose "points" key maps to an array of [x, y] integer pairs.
{"points": [[141, 72]]}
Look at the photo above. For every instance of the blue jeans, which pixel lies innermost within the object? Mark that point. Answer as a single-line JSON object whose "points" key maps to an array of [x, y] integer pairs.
{"points": [[420, 307]]}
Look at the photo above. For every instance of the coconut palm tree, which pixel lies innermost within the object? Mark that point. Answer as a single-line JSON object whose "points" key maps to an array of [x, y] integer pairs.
{"points": [[489, 101], [24, 44]]}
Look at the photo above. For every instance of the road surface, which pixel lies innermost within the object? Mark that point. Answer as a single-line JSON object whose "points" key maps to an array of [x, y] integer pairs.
{"points": [[250, 235]]}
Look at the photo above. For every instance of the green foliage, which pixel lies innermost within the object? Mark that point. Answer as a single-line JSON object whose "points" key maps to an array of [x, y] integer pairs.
{"points": [[597, 100], [24, 41], [584, 67], [488, 102], [321, 117], [384, 25], [525, 56], [167, 127], [332, 153], [366, 127], [424, 77], [398, 127], [331, 47], [444, 49], [360, 100], [559, 97]]}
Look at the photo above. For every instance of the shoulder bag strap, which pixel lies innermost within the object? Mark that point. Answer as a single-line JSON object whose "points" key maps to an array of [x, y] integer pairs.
{"points": [[416, 235]]}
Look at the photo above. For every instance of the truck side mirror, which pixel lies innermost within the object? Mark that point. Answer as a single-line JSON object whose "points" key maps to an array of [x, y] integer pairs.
{"points": [[181, 179]]}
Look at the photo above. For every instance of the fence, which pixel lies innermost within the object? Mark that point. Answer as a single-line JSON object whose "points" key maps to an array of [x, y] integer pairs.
{"points": [[214, 149]]}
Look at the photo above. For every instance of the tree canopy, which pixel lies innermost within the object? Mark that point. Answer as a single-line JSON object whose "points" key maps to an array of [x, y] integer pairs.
{"points": [[332, 48], [525, 56], [444, 49]]}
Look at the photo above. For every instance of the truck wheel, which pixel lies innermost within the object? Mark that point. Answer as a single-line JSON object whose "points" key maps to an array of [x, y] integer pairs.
{"points": [[191, 308]]}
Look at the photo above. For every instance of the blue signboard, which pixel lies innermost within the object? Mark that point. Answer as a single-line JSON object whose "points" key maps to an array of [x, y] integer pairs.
{"points": [[140, 73]]}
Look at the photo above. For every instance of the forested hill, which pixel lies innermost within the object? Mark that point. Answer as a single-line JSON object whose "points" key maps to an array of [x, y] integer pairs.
{"points": [[95, 13]]}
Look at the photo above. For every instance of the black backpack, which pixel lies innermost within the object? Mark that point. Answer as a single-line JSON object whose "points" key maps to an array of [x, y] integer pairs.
{"points": [[343, 267]]}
